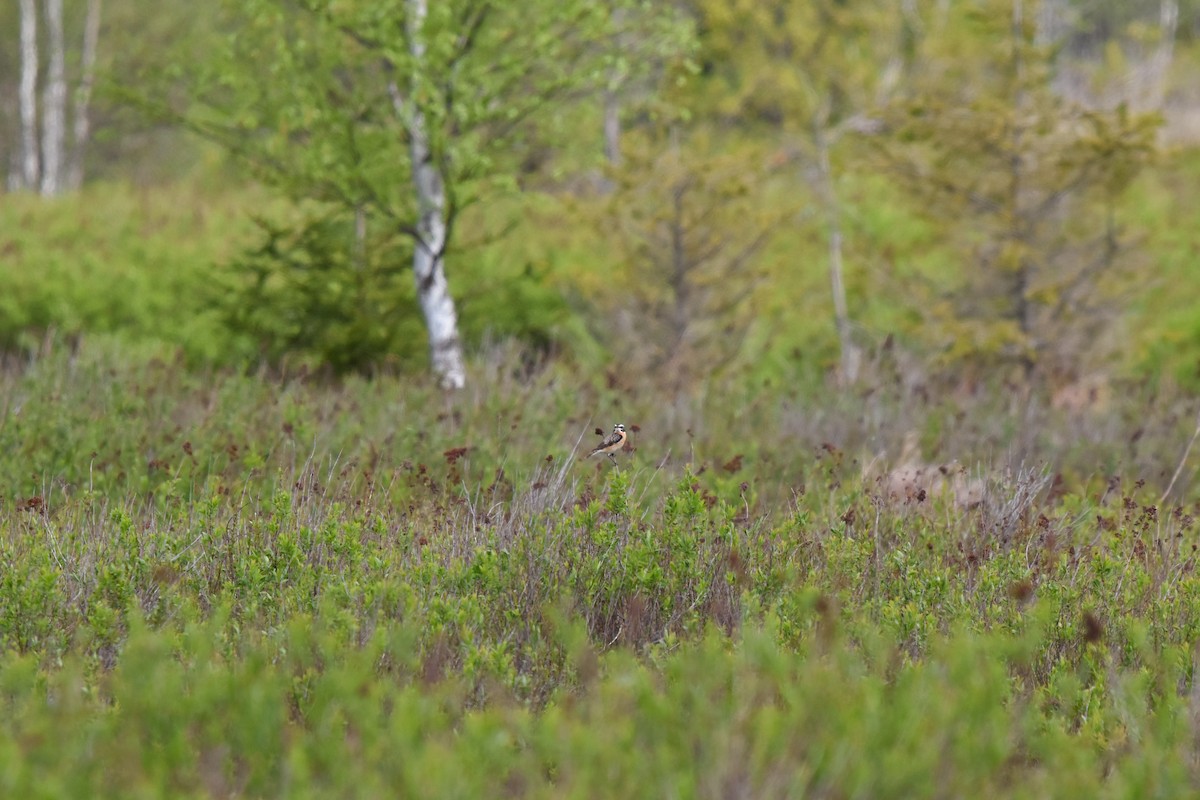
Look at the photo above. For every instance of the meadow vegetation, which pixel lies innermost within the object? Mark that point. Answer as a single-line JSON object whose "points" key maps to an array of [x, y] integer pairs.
{"points": [[249, 548], [218, 583]]}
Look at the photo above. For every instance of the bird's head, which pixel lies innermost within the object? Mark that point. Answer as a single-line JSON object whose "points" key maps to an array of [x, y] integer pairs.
{"points": [[618, 428]]}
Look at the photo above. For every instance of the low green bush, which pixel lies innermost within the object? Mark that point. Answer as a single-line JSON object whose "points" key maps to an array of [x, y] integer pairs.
{"points": [[117, 260], [222, 584]]}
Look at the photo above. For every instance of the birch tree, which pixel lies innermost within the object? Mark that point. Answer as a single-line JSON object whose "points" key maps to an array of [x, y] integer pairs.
{"points": [[403, 110], [54, 102], [648, 40], [812, 70], [429, 246], [30, 160], [44, 162], [83, 94]]}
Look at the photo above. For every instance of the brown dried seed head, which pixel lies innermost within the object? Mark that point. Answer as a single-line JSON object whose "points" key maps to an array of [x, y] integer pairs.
{"points": [[1021, 591]]}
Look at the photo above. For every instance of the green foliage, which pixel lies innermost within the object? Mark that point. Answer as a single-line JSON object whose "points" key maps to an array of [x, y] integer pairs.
{"points": [[1039, 177], [317, 291], [1164, 318], [755, 717], [177, 270], [687, 230], [217, 583], [117, 260], [797, 65], [342, 589], [319, 630], [764, 75], [352, 92]]}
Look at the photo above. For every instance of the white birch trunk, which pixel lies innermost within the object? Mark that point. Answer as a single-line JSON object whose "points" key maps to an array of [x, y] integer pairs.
{"points": [[612, 128], [612, 95], [429, 268], [1168, 22], [83, 95], [54, 102], [851, 354], [30, 165]]}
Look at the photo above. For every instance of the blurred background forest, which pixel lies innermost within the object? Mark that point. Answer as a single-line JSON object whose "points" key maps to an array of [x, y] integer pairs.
{"points": [[697, 191]]}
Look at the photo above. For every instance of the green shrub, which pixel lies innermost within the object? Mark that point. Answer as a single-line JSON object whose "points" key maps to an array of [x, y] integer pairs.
{"points": [[311, 291], [115, 260], [222, 584]]}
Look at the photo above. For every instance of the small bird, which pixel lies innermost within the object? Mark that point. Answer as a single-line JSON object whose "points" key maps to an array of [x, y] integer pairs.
{"points": [[614, 442]]}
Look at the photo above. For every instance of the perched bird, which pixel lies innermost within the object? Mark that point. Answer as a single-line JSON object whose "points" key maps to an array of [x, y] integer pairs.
{"points": [[612, 443]]}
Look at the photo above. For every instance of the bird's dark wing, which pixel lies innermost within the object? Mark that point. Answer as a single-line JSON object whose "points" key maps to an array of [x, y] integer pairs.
{"points": [[610, 440]]}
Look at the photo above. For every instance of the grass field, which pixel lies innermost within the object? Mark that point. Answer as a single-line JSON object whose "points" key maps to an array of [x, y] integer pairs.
{"points": [[218, 584]]}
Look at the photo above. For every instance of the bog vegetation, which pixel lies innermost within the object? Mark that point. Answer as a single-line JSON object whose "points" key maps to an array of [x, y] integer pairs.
{"points": [[258, 585], [898, 305]]}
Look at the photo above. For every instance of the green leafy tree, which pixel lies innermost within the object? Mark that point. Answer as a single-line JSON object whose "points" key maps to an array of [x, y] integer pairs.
{"points": [[808, 71], [687, 227], [397, 113], [652, 41], [1021, 185], [344, 300]]}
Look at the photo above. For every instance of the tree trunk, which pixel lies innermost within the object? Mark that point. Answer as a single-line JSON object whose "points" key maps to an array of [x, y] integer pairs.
{"points": [[1051, 22], [612, 128], [1018, 232], [612, 94], [30, 166], [54, 102], [360, 237], [83, 95], [680, 289], [429, 268], [1168, 22], [851, 354]]}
